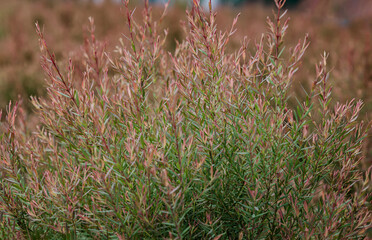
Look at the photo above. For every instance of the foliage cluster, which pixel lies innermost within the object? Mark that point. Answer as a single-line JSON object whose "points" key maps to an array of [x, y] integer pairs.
{"points": [[196, 144], [341, 27]]}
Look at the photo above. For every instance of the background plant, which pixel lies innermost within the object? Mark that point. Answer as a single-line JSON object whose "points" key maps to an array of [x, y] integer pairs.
{"points": [[200, 143]]}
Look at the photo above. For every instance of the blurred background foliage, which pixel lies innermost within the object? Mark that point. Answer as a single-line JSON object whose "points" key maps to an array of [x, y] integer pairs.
{"points": [[342, 28]]}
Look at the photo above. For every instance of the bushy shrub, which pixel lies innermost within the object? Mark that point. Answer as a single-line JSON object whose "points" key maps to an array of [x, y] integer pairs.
{"points": [[195, 144]]}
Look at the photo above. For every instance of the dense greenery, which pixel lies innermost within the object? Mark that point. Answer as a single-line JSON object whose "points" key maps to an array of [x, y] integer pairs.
{"points": [[196, 144]]}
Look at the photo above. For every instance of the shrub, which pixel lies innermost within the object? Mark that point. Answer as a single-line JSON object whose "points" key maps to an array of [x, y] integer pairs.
{"points": [[195, 144]]}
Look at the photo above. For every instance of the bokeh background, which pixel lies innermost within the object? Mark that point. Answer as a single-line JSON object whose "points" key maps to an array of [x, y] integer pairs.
{"points": [[343, 28]]}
